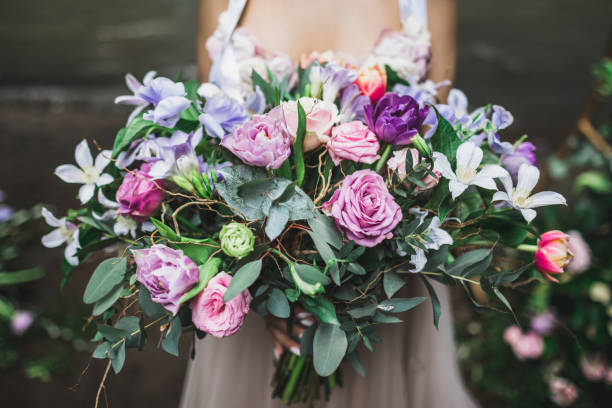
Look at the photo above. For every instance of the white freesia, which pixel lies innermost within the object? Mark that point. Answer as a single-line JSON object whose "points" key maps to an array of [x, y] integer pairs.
{"points": [[519, 197], [64, 232], [436, 234], [121, 225], [89, 174], [469, 157]]}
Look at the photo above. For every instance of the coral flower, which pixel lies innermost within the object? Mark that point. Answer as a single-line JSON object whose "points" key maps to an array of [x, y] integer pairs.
{"points": [[553, 254], [372, 82]]}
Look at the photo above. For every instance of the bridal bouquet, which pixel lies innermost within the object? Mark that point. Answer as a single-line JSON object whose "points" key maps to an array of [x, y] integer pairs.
{"points": [[319, 190]]}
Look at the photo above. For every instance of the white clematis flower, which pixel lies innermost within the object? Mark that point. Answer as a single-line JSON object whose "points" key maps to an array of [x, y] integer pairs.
{"points": [[436, 234], [65, 232], [89, 174], [121, 225], [469, 157], [519, 197]]}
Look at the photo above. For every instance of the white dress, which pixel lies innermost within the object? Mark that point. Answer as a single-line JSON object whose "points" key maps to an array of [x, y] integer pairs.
{"points": [[413, 366]]}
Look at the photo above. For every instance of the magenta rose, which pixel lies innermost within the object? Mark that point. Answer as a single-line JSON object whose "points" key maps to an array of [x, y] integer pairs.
{"points": [[364, 209], [167, 273], [353, 141], [214, 316], [262, 141], [138, 195]]}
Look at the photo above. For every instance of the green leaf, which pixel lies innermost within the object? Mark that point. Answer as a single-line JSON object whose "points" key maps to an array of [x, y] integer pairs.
{"points": [[151, 309], [392, 282], [307, 339], [325, 228], [325, 252], [439, 195], [266, 88], [364, 311], [118, 358], [24, 275], [170, 342], [298, 156], [243, 278], [284, 170], [112, 334], [106, 276], [329, 347], [392, 79], [380, 317], [398, 305], [353, 358], [593, 180], [164, 230], [277, 304], [134, 130], [310, 274], [102, 351], [445, 139], [322, 308], [478, 268], [277, 219], [108, 300], [198, 252], [435, 302], [207, 271], [465, 260], [131, 325]]}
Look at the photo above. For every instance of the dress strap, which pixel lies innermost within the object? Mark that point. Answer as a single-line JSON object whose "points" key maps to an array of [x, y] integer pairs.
{"points": [[413, 7], [224, 70]]}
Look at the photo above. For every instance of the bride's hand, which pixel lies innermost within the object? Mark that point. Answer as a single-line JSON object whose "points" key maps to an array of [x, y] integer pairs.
{"points": [[288, 339]]}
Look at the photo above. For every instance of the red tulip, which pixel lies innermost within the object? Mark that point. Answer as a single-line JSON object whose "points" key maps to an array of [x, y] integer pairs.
{"points": [[553, 254]]}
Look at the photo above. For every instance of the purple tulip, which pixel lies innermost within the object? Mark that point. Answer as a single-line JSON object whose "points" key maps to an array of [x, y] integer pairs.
{"points": [[524, 153], [262, 141], [138, 195], [364, 209], [396, 119], [167, 273]]}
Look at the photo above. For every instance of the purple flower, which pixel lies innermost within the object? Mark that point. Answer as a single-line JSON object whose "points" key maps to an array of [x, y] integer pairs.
{"points": [[169, 100], [167, 273], [144, 149], [221, 114], [262, 141], [21, 321], [543, 323], [178, 156], [134, 85], [352, 102], [364, 209], [396, 119], [501, 118], [524, 153], [138, 196], [330, 79]]}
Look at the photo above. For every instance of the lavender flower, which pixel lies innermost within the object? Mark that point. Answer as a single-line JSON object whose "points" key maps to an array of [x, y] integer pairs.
{"points": [[543, 323], [6, 212], [145, 149], [396, 119], [352, 102], [178, 156], [221, 114], [169, 100], [524, 153], [134, 85], [330, 79]]}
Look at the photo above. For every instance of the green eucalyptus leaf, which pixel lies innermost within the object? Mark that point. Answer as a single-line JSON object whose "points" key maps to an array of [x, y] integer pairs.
{"points": [[22, 276], [207, 271], [170, 342], [106, 276], [243, 279], [329, 348], [398, 305], [392, 282], [151, 309], [322, 308], [108, 300], [277, 304], [435, 302]]}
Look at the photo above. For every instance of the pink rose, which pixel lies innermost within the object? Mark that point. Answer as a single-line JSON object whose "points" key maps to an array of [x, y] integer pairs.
{"points": [[138, 195], [353, 141], [364, 209], [216, 317], [397, 163], [525, 346], [372, 82], [562, 391], [512, 334], [320, 116]]}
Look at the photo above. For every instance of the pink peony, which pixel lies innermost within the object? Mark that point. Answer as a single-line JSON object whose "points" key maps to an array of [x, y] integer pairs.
{"points": [[353, 141], [593, 368], [138, 195], [216, 317], [372, 82], [262, 141], [397, 163], [21, 321], [582, 254], [364, 209], [167, 273], [320, 116], [553, 254], [525, 346], [562, 391]]}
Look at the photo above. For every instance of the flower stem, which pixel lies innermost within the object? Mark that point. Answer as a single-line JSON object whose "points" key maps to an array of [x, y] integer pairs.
{"points": [[295, 375], [383, 158], [528, 248]]}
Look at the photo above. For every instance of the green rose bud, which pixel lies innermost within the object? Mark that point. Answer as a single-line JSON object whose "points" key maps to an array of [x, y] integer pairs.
{"points": [[421, 145], [237, 239]]}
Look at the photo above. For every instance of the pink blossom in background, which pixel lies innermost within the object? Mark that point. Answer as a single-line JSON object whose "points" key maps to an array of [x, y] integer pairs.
{"points": [[21, 321], [581, 251], [216, 317], [543, 323], [353, 141], [524, 346], [562, 392], [593, 368], [608, 376]]}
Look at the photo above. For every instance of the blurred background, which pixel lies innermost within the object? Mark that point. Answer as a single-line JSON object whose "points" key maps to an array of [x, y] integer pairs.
{"points": [[64, 61]]}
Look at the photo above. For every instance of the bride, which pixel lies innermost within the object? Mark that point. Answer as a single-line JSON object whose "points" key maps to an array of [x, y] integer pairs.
{"points": [[415, 364]]}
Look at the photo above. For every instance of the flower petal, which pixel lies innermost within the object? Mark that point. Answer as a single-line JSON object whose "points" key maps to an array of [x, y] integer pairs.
{"points": [[104, 179], [82, 155], [102, 160], [507, 183], [485, 177], [501, 196], [71, 250], [528, 214], [470, 155], [86, 192], [130, 100], [53, 239], [528, 177], [50, 218], [442, 165], [456, 188], [132, 83], [546, 198], [70, 173]]}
